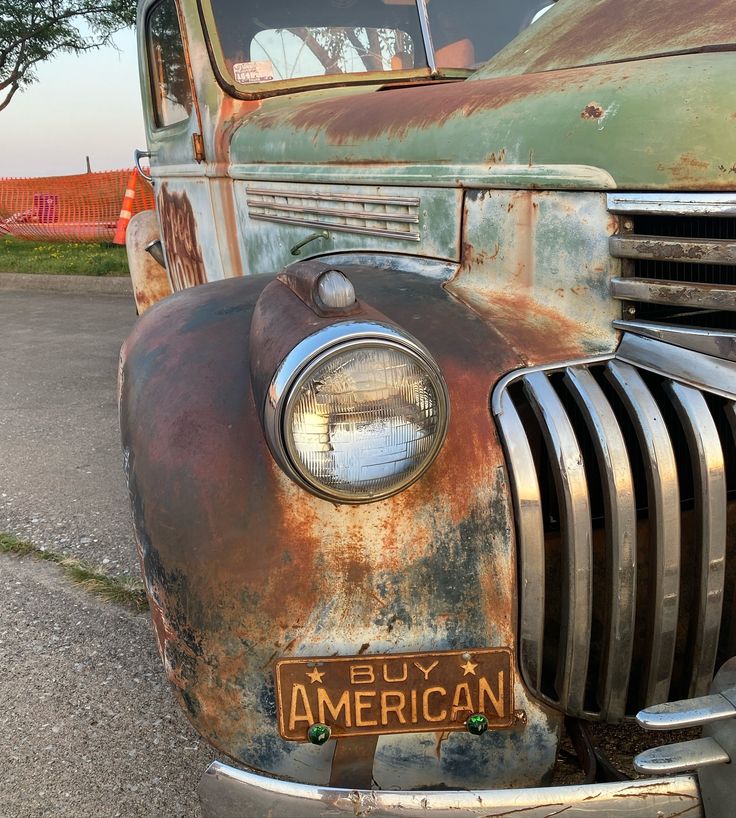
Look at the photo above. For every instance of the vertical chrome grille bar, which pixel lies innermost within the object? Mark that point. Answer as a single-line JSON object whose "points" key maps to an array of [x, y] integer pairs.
{"points": [[620, 514], [572, 489], [528, 509], [731, 414], [709, 476], [664, 516]]}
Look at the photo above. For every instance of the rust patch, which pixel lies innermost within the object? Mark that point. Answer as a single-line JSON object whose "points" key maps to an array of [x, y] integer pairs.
{"points": [[230, 116], [592, 111], [539, 334], [179, 232], [494, 159], [401, 111], [152, 288], [686, 170], [655, 249]]}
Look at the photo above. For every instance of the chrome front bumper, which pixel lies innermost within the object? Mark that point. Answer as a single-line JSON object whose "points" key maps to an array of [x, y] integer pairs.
{"points": [[226, 792]]}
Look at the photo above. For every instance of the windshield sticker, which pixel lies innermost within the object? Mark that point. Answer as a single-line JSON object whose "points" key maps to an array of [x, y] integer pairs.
{"points": [[256, 71]]}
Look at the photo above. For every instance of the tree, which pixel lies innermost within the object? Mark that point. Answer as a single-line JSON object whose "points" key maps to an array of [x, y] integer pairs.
{"points": [[32, 31]]}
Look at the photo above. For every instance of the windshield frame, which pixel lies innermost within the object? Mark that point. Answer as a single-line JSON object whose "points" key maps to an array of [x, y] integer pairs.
{"points": [[260, 90]]}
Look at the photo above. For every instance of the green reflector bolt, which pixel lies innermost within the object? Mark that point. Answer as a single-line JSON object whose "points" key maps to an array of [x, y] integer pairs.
{"points": [[476, 724], [319, 734]]}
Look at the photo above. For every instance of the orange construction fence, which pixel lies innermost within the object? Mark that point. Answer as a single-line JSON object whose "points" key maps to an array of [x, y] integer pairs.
{"points": [[83, 207]]}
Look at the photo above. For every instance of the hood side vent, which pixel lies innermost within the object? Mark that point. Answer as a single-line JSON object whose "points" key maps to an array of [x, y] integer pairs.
{"points": [[392, 217]]}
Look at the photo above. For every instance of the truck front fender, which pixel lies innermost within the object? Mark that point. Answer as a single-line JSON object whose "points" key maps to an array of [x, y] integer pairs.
{"points": [[243, 566]]}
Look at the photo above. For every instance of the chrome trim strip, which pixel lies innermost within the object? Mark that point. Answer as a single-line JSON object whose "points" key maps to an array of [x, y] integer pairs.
{"points": [[709, 475], [577, 578], [227, 792], [389, 234], [427, 35], [620, 514], [718, 343], [686, 713], [694, 368], [664, 519], [683, 294], [291, 193], [365, 215], [429, 174], [681, 757], [675, 204], [528, 509], [667, 248], [517, 374], [421, 265]]}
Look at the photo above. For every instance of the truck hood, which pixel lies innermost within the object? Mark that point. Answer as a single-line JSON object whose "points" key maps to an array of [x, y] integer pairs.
{"points": [[664, 123]]}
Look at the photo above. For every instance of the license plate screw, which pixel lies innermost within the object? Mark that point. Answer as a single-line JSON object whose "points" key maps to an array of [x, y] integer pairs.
{"points": [[476, 724], [319, 734]]}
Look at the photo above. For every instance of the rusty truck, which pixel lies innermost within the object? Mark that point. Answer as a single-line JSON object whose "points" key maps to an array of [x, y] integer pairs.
{"points": [[429, 419]]}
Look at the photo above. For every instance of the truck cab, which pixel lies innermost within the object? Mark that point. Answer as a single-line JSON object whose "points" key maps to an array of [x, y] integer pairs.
{"points": [[431, 452]]}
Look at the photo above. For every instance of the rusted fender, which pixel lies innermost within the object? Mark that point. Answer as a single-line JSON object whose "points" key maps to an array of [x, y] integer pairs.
{"points": [[243, 567], [150, 280]]}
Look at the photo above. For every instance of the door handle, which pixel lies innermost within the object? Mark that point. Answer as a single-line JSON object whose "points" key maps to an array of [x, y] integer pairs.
{"points": [[138, 155], [297, 248]]}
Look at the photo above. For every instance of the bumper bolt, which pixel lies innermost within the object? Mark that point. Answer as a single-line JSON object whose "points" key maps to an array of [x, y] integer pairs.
{"points": [[476, 724], [319, 734]]}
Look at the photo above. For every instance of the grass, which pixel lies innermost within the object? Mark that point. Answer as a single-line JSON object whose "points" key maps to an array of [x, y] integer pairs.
{"points": [[61, 258], [113, 589]]}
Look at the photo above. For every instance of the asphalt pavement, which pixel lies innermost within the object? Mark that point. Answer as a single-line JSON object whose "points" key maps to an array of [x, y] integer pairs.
{"points": [[61, 478], [88, 725]]}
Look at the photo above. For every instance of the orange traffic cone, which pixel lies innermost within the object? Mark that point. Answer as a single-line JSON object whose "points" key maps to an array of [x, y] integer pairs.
{"points": [[126, 211]]}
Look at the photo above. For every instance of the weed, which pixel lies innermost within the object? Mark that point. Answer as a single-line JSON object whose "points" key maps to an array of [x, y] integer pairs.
{"points": [[126, 592]]}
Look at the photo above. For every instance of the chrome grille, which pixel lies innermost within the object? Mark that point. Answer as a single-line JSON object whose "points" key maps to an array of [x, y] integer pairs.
{"points": [[679, 259], [624, 480], [394, 217]]}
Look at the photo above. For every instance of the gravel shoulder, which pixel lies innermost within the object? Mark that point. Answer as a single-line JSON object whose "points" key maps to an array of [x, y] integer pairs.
{"points": [[88, 725]]}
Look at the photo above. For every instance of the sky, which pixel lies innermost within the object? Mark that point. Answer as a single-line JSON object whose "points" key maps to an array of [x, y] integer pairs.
{"points": [[81, 106]]}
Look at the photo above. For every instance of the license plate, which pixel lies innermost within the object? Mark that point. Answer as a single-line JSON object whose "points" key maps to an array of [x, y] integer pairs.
{"points": [[394, 693]]}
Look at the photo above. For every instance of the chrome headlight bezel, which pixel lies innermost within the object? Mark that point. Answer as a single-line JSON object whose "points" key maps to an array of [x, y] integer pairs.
{"points": [[311, 353]]}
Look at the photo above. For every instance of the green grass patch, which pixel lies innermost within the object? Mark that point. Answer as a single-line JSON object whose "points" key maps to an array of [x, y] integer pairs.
{"points": [[61, 258], [126, 592]]}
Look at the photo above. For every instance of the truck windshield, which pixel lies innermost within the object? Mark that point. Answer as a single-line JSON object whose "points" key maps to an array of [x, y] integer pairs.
{"points": [[265, 41]]}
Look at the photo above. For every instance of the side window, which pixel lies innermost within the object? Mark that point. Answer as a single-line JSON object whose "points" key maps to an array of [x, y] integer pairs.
{"points": [[172, 94]]}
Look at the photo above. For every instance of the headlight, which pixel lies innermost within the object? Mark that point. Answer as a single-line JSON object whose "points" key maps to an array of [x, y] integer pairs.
{"points": [[357, 412]]}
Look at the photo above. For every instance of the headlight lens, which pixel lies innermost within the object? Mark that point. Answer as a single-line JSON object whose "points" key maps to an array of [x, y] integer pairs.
{"points": [[364, 418]]}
